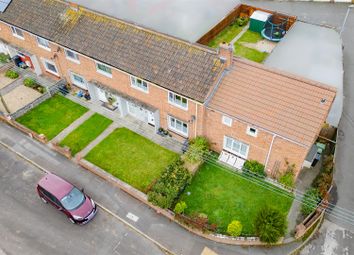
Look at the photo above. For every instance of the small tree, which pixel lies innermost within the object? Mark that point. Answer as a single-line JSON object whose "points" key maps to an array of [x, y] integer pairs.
{"points": [[180, 207], [270, 225], [288, 179], [310, 201], [234, 228], [198, 148], [253, 166]]}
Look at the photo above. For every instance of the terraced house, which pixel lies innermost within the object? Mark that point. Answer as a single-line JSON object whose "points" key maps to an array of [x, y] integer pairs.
{"points": [[245, 109]]}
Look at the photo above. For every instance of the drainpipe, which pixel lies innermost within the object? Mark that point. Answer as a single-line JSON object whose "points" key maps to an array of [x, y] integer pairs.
{"points": [[269, 152], [196, 120]]}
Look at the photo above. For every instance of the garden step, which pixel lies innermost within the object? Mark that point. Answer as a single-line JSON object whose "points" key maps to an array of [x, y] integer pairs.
{"points": [[72, 127]]}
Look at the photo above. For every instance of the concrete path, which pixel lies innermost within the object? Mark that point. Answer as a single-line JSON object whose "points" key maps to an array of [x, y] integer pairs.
{"points": [[72, 126], [172, 236], [240, 34], [98, 139]]}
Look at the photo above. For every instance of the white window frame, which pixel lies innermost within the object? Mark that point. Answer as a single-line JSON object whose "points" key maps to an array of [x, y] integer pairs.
{"points": [[43, 46], [174, 101], [15, 32], [174, 128], [75, 60], [45, 61], [249, 132], [103, 72], [72, 74], [227, 121], [238, 152], [134, 81]]}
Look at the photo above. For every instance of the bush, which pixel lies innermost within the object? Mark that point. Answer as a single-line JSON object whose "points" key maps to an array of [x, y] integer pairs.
{"points": [[29, 82], [170, 185], [310, 201], [288, 179], [4, 58], [241, 21], [234, 228], [198, 149], [41, 89], [270, 225], [323, 181], [11, 74], [253, 166], [180, 207]]}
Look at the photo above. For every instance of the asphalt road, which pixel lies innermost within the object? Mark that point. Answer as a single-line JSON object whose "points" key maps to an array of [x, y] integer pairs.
{"points": [[28, 226]]}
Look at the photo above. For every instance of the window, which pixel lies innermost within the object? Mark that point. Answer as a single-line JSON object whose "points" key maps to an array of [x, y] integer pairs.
{"points": [[177, 100], [236, 147], [17, 32], [78, 80], [226, 121], [252, 131], [178, 126], [139, 84], [50, 67], [72, 56], [43, 43], [104, 69]]}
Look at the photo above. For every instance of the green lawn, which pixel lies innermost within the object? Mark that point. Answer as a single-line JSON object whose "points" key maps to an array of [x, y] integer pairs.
{"points": [[250, 37], [131, 158], [226, 35], [86, 133], [225, 196], [52, 116], [251, 54]]}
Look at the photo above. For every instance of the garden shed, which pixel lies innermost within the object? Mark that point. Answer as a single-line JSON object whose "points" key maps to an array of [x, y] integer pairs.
{"points": [[258, 20]]}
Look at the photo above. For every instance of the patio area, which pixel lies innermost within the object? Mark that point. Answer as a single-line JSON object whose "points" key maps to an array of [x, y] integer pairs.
{"points": [[20, 97]]}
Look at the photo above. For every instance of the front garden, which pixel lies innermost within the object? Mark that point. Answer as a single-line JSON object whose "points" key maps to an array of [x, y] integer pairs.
{"points": [[52, 116], [131, 158]]}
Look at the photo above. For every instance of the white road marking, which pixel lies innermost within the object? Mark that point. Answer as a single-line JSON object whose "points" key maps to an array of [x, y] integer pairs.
{"points": [[132, 217]]}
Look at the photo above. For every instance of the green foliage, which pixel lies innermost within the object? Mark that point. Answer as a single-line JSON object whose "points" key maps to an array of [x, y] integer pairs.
{"points": [[270, 225], [180, 207], [310, 201], [170, 185], [242, 21], [198, 148], [41, 89], [253, 166], [11, 74], [288, 179], [29, 82], [248, 53], [4, 58], [323, 181], [234, 228]]}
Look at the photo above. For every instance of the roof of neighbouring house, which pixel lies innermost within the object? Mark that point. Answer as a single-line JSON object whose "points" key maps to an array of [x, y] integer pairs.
{"points": [[314, 52], [188, 20], [284, 104], [176, 65]]}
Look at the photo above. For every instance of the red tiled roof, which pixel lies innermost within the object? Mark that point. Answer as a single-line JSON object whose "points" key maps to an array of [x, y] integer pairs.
{"points": [[279, 102]]}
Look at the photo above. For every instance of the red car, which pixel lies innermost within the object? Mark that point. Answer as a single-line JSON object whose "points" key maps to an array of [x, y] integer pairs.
{"points": [[78, 207]]}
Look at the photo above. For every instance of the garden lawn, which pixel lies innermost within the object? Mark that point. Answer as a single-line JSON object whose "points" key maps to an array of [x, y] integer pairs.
{"points": [[131, 158], [226, 35], [225, 196], [250, 37], [78, 139], [52, 116], [251, 54]]}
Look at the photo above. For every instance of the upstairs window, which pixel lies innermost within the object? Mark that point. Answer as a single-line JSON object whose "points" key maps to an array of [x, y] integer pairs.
{"points": [[178, 100], [104, 69], [72, 56], [139, 84], [17, 32], [226, 121], [252, 131], [43, 43]]}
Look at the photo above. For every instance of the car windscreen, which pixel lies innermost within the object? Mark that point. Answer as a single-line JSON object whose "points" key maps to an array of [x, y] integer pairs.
{"points": [[73, 199]]}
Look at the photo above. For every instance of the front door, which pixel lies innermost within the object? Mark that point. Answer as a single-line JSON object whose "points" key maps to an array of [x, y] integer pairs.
{"points": [[151, 118]]}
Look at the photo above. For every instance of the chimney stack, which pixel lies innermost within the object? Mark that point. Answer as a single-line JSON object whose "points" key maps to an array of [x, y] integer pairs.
{"points": [[226, 54]]}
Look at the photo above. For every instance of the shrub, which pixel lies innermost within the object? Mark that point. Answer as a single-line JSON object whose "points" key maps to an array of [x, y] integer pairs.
{"points": [[288, 179], [310, 201], [234, 228], [170, 185], [4, 58], [241, 21], [29, 82], [198, 148], [253, 166], [270, 225], [180, 207], [41, 89], [323, 181], [11, 74]]}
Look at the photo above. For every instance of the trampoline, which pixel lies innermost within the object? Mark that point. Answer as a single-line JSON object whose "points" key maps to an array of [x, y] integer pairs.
{"points": [[274, 32]]}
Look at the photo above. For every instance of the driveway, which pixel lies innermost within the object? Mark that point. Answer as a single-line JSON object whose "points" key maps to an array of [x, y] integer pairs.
{"points": [[28, 226]]}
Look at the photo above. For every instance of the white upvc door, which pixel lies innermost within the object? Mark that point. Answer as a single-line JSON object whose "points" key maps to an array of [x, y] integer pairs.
{"points": [[151, 117], [101, 94]]}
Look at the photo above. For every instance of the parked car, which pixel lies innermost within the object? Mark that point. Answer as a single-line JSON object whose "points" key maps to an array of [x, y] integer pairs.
{"points": [[67, 198]]}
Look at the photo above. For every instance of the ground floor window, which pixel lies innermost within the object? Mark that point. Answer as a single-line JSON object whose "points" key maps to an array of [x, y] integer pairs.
{"points": [[178, 126], [50, 67], [78, 80], [236, 147]]}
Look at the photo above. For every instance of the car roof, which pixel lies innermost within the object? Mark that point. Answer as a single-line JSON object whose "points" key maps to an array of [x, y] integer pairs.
{"points": [[55, 185]]}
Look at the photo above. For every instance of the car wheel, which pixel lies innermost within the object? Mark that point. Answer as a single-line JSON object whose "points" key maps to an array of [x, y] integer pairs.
{"points": [[44, 201], [71, 220]]}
